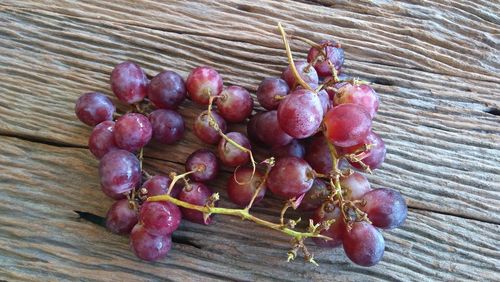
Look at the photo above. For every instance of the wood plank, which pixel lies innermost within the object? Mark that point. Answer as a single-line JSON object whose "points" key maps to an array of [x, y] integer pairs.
{"points": [[41, 237], [429, 121]]}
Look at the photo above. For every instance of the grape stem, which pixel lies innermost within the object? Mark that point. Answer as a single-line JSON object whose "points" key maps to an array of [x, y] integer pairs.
{"points": [[242, 213], [257, 191], [175, 177], [290, 60]]}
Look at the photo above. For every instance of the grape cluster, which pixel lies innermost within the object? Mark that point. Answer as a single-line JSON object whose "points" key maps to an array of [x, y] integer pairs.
{"points": [[317, 123]]}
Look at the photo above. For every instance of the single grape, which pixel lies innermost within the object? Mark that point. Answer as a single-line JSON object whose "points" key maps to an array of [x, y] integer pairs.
{"points": [[270, 92], [334, 53], [197, 194], [234, 104], [149, 247], [129, 82], [202, 83], [160, 218], [269, 130], [158, 185], [94, 108], [355, 185], [336, 230], [242, 186], [386, 208], [168, 126], [364, 244], [315, 196], [121, 218], [333, 90], [326, 103], [132, 131], [300, 113], [306, 72], [293, 149], [347, 125], [362, 95], [120, 172], [229, 154], [102, 140], [205, 162], [318, 154], [374, 157], [252, 128], [167, 90], [207, 133], [290, 177]]}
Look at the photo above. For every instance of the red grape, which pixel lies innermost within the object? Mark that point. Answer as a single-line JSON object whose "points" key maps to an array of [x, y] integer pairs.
{"points": [[234, 104], [308, 74], [355, 185], [132, 131], [364, 244], [94, 108], [347, 125], [168, 126], [315, 196], [158, 185], [167, 90], [336, 230], [120, 172], [290, 177], [386, 208], [102, 140], [121, 218], [269, 89], [149, 247], [202, 83], [362, 95], [242, 186], [293, 149], [160, 218], [269, 130], [334, 53], [300, 113], [229, 154], [129, 82], [206, 161], [205, 132], [326, 103], [197, 194], [318, 154], [252, 128], [374, 157]]}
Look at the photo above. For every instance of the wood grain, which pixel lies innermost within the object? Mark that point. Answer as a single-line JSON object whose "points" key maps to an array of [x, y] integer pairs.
{"points": [[434, 64], [40, 235]]}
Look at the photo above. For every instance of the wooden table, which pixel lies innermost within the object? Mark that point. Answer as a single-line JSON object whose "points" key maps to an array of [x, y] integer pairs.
{"points": [[434, 64]]}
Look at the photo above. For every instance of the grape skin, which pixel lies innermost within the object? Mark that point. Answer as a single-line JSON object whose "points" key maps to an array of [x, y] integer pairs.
{"points": [[129, 82], [202, 83], [242, 186], [231, 155], [362, 95], [315, 196], [386, 208], [120, 172], [94, 108], [356, 185], [347, 125], [310, 77], [197, 194], [334, 54], [149, 247], [300, 113], [290, 177], [121, 218], [293, 149], [204, 131], [160, 218], [158, 185], [102, 140], [132, 131], [364, 244], [374, 157], [207, 161], [167, 90], [268, 130], [269, 89], [168, 126], [318, 154], [234, 104]]}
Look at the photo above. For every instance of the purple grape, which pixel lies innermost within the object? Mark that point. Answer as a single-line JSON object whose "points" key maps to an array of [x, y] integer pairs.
{"points": [[129, 82], [334, 53], [386, 208], [202, 83], [318, 154], [355, 185], [290, 177], [300, 113], [205, 132], [374, 157], [242, 186], [336, 230], [132, 131], [167, 90], [269, 89], [160, 218], [206, 161], [121, 218], [168, 126], [269, 130], [326, 103], [347, 125], [362, 95], [364, 244], [120, 172], [197, 194], [234, 104], [102, 140], [149, 247], [315, 196], [231, 155], [308, 74], [158, 185], [94, 108], [293, 149], [252, 128]]}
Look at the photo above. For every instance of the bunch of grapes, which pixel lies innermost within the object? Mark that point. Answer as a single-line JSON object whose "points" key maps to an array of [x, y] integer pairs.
{"points": [[317, 125]]}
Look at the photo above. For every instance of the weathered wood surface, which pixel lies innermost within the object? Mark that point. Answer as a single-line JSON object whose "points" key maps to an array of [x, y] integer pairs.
{"points": [[435, 66]]}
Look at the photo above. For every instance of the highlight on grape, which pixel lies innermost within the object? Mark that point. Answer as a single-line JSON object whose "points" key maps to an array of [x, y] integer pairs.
{"points": [[317, 125]]}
